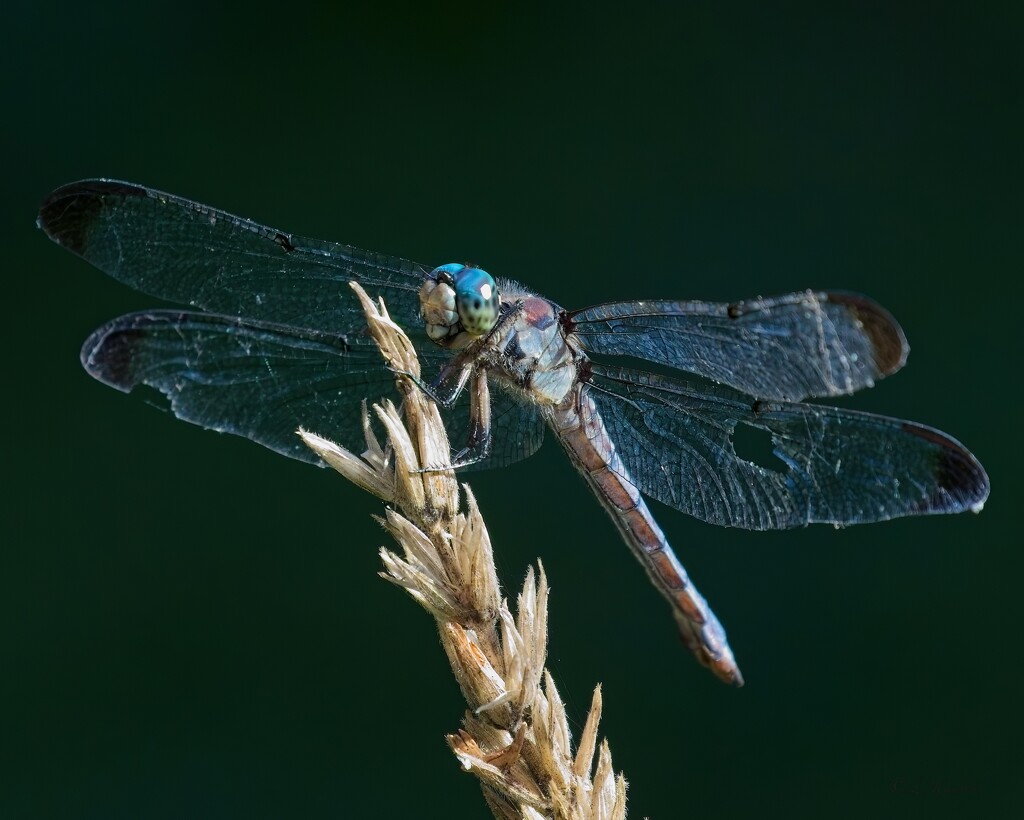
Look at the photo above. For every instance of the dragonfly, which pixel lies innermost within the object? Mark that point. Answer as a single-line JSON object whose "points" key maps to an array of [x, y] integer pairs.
{"points": [[270, 338]]}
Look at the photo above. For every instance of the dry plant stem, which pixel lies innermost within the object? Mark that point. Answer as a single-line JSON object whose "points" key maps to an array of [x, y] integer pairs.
{"points": [[515, 736]]}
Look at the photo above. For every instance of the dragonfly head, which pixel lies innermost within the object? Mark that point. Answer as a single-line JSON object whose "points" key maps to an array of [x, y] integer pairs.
{"points": [[458, 299]]}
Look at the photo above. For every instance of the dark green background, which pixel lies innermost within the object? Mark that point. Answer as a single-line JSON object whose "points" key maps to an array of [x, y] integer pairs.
{"points": [[192, 626]]}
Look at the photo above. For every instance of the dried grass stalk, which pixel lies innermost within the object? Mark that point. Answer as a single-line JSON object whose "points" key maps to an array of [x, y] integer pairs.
{"points": [[514, 737]]}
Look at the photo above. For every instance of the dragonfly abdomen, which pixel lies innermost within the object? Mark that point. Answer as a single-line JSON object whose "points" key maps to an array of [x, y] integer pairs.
{"points": [[580, 428]]}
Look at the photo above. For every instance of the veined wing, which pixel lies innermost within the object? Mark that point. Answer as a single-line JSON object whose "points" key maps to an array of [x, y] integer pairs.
{"points": [[830, 465], [787, 348], [262, 381], [184, 252]]}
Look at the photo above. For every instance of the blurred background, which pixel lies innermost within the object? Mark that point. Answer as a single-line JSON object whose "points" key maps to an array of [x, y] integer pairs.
{"points": [[192, 626]]}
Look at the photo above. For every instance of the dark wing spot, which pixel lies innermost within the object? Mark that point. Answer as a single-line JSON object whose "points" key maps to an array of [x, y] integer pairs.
{"points": [[961, 481], [284, 241], [887, 340], [109, 353], [68, 214]]}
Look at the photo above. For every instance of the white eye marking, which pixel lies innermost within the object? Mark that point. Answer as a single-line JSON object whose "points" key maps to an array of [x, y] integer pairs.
{"points": [[485, 290]]}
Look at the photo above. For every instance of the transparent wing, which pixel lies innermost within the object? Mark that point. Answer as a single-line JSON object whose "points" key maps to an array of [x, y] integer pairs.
{"points": [[181, 251], [263, 381], [828, 465], [517, 430], [787, 348]]}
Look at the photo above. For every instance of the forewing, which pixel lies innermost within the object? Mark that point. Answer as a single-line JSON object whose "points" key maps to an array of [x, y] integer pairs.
{"points": [[830, 465], [184, 252], [787, 348]]}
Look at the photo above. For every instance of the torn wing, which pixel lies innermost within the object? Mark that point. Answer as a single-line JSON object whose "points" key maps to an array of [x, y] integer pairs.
{"points": [[830, 465]]}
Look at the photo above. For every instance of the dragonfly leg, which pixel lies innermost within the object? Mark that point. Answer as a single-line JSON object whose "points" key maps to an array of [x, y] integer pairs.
{"points": [[449, 383], [429, 388], [478, 442]]}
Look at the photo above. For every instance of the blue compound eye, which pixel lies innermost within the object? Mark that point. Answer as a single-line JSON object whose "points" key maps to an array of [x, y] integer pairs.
{"points": [[476, 299], [452, 269]]}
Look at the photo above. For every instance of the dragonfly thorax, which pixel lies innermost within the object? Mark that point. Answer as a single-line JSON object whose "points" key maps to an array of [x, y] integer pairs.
{"points": [[459, 303]]}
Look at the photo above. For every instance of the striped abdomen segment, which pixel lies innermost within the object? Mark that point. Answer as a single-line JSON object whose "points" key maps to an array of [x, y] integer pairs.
{"points": [[581, 430]]}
